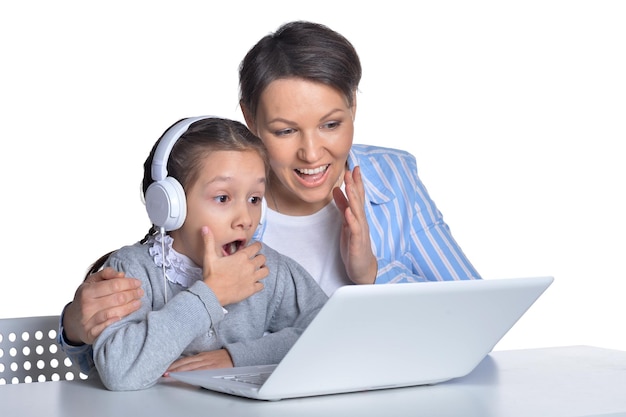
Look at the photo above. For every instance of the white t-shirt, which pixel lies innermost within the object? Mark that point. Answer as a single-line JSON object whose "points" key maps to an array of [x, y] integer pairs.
{"points": [[317, 246]]}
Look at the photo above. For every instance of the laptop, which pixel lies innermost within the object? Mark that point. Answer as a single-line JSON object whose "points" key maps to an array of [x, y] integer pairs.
{"points": [[371, 337]]}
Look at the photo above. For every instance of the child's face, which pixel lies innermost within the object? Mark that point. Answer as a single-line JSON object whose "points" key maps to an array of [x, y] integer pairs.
{"points": [[226, 197]]}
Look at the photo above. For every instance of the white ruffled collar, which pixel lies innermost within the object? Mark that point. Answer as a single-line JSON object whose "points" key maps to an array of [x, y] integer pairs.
{"points": [[179, 269]]}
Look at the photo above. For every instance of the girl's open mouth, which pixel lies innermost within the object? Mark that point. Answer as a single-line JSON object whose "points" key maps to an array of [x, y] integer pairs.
{"points": [[232, 247]]}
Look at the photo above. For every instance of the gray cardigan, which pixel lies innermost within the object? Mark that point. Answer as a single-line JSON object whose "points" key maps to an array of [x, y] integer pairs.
{"points": [[134, 352]]}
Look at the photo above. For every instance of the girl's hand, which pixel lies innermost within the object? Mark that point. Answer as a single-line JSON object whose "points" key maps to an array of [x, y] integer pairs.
{"points": [[355, 245], [204, 360], [235, 277]]}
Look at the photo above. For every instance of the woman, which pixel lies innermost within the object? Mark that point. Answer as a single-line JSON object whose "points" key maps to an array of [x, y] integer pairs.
{"points": [[348, 213]]}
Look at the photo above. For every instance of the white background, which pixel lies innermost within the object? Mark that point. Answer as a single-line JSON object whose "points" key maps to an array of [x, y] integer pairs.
{"points": [[516, 112]]}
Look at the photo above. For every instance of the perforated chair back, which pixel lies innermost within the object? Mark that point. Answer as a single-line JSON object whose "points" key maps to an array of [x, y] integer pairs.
{"points": [[29, 351]]}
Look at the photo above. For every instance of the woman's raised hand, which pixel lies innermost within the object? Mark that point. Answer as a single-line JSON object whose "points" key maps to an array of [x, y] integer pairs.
{"points": [[355, 245]]}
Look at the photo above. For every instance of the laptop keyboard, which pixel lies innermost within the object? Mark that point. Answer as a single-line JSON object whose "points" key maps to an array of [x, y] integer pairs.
{"points": [[256, 378]]}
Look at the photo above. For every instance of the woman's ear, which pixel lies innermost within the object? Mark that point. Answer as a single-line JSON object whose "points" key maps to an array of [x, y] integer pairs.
{"points": [[248, 118]]}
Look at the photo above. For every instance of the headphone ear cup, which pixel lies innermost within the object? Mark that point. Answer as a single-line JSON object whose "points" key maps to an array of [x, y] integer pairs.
{"points": [[166, 204]]}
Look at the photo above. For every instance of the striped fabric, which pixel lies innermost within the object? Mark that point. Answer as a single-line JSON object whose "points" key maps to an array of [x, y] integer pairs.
{"points": [[409, 237]]}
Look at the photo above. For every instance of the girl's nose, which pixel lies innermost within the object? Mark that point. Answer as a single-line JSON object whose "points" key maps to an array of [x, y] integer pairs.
{"points": [[242, 218]]}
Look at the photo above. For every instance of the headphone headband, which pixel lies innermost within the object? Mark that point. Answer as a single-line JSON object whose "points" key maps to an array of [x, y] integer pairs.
{"points": [[163, 150]]}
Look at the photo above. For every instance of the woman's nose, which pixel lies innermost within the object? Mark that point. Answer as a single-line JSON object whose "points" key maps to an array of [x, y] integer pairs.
{"points": [[310, 147]]}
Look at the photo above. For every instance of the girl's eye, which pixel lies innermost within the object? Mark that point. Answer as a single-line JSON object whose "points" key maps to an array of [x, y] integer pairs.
{"points": [[221, 198], [255, 200]]}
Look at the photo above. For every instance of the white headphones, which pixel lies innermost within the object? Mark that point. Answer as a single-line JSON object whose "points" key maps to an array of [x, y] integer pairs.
{"points": [[165, 197]]}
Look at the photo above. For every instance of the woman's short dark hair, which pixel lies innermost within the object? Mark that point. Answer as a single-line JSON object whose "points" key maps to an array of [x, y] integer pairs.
{"points": [[299, 49]]}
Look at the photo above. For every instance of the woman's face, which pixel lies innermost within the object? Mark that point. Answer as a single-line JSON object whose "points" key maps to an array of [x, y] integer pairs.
{"points": [[308, 129]]}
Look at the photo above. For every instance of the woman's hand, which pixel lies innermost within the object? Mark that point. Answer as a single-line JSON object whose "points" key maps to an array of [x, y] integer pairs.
{"points": [[235, 277], [204, 360], [355, 245], [103, 298]]}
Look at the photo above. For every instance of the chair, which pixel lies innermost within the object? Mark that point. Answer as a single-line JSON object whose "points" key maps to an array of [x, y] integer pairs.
{"points": [[29, 351]]}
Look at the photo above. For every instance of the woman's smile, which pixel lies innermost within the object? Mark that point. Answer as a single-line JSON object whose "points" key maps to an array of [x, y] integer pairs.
{"points": [[312, 177]]}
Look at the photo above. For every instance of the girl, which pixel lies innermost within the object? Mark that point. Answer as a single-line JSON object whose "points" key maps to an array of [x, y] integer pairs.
{"points": [[208, 289]]}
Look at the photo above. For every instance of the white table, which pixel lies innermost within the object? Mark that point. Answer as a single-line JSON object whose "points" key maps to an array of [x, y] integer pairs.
{"points": [[561, 381]]}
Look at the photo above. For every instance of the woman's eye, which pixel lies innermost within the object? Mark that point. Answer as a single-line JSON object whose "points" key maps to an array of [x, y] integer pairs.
{"points": [[331, 125], [284, 132]]}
